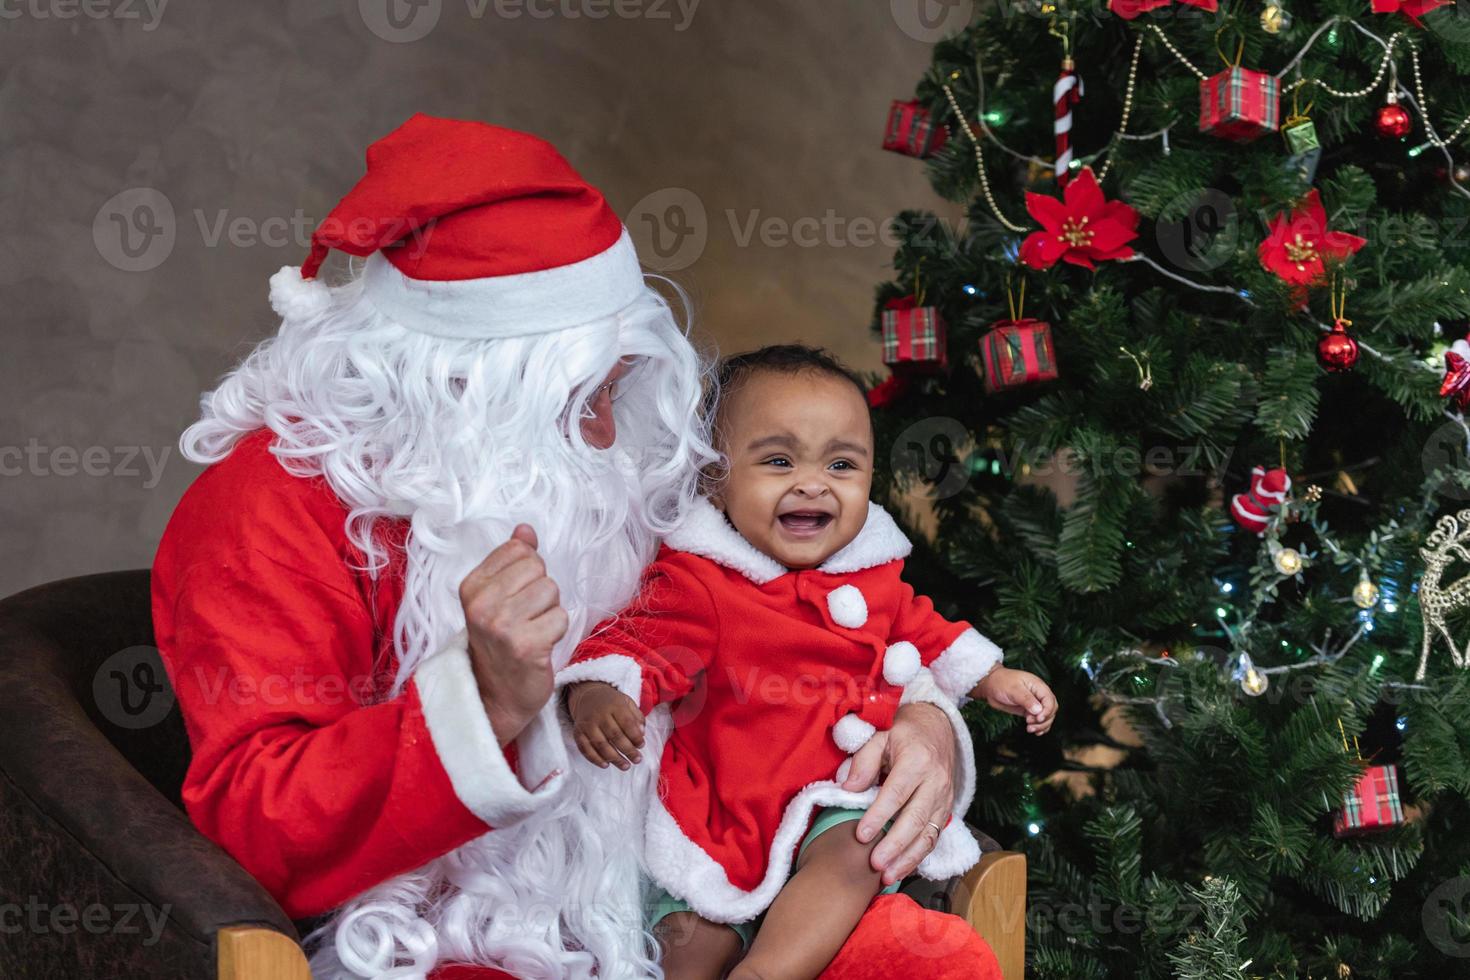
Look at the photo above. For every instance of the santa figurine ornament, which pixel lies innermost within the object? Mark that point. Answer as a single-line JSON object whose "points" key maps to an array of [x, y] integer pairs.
{"points": [[1254, 509], [1456, 384]]}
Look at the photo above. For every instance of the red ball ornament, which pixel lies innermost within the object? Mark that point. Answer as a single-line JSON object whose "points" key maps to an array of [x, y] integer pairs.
{"points": [[1392, 122], [1337, 352]]}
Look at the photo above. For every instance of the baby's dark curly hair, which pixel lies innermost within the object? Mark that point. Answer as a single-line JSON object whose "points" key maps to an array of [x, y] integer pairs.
{"points": [[736, 369]]}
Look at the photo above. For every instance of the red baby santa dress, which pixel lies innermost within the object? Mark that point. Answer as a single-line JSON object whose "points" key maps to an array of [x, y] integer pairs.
{"points": [[772, 679]]}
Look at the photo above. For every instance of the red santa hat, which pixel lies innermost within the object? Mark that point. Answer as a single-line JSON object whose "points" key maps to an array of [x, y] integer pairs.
{"points": [[472, 231]]}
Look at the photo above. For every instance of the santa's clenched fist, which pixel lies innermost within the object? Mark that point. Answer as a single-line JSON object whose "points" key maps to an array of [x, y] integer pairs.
{"points": [[513, 612]]}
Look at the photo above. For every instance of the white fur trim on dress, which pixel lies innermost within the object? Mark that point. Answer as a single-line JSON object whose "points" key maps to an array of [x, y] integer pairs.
{"points": [[956, 851], [878, 543], [847, 606], [508, 306], [683, 868], [964, 663], [901, 663], [705, 531], [852, 733], [294, 298], [470, 752], [621, 671]]}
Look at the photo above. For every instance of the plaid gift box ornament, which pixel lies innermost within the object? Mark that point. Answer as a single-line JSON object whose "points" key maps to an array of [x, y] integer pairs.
{"points": [[912, 132], [1239, 104], [914, 336], [1372, 804]]}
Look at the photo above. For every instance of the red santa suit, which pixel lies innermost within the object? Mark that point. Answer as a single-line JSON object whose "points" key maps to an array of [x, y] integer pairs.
{"points": [[279, 653], [775, 678]]}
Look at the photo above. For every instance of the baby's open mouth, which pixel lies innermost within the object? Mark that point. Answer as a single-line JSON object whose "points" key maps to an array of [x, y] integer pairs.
{"points": [[805, 521]]}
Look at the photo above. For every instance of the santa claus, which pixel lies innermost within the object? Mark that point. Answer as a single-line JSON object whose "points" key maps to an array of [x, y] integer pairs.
{"points": [[423, 491]]}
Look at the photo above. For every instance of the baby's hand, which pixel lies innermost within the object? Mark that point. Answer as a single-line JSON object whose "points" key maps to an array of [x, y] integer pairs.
{"points": [[607, 724], [1018, 692]]}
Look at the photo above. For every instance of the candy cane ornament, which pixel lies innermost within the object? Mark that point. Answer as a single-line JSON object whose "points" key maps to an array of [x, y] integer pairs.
{"points": [[1064, 95]]}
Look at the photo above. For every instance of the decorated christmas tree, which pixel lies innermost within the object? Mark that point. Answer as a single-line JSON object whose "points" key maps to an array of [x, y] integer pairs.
{"points": [[1184, 391]]}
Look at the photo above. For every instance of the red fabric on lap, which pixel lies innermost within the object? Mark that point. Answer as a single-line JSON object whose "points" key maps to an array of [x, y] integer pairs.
{"points": [[897, 937]]}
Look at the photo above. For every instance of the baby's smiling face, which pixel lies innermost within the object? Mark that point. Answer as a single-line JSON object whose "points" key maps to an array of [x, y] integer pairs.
{"points": [[800, 448]]}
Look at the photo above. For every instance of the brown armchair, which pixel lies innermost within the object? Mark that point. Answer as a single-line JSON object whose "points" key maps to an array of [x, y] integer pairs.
{"points": [[101, 872]]}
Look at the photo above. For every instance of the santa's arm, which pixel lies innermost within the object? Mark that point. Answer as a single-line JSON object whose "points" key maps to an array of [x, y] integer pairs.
{"points": [[958, 656], [316, 793], [656, 648]]}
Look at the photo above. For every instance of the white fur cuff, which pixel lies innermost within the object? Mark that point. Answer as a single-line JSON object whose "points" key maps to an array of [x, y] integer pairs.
{"points": [[964, 663], [470, 752], [954, 853], [622, 672]]}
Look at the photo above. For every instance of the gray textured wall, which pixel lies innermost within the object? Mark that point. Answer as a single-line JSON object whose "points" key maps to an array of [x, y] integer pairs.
{"points": [[159, 160]]}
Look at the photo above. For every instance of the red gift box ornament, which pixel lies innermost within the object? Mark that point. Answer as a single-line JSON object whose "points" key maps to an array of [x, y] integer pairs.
{"points": [[1017, 351], [1372, 804], [1239, 104], [912, 132], [914, 336]]}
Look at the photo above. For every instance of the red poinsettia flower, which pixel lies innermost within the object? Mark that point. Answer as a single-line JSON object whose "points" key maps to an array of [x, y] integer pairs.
{"points": [[1412, 9], [1082, 228], [1129, 9], [1300, 241]]}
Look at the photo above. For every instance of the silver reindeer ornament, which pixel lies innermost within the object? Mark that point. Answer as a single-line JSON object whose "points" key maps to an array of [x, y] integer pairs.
{"points": [[1445, 544]]}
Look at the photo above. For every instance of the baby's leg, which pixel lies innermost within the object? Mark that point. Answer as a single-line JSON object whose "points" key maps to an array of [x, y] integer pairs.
{"points": [[816, 910], [694, 948]]}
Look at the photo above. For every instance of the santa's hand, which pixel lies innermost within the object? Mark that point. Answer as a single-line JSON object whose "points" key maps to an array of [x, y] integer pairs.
{"points": [[606, 723], [513, 613], [1018, 692], [918, 756]]}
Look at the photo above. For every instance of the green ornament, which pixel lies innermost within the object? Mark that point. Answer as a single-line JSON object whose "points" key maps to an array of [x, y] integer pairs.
{"points": [[1301, 137]]}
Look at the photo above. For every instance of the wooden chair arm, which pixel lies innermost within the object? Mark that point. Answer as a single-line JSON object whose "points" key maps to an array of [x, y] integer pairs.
{"points": [[251, 953], [992, 898]]}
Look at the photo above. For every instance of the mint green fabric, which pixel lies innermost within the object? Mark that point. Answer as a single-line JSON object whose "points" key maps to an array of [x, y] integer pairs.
{"points": [[661, 903]]}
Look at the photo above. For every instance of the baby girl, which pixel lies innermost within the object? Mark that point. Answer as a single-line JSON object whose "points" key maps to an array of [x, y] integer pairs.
{"points": [[776, 627]]}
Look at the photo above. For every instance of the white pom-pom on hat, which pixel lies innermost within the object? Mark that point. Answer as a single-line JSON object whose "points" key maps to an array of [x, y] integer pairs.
{"points": [[295, 298], [847, 606], [901, 663], [852, 733]]}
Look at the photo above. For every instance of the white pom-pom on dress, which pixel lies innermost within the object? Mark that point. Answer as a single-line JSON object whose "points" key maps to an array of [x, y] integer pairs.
{"points": [[852, 733], [847, 606], [901, 663]]}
